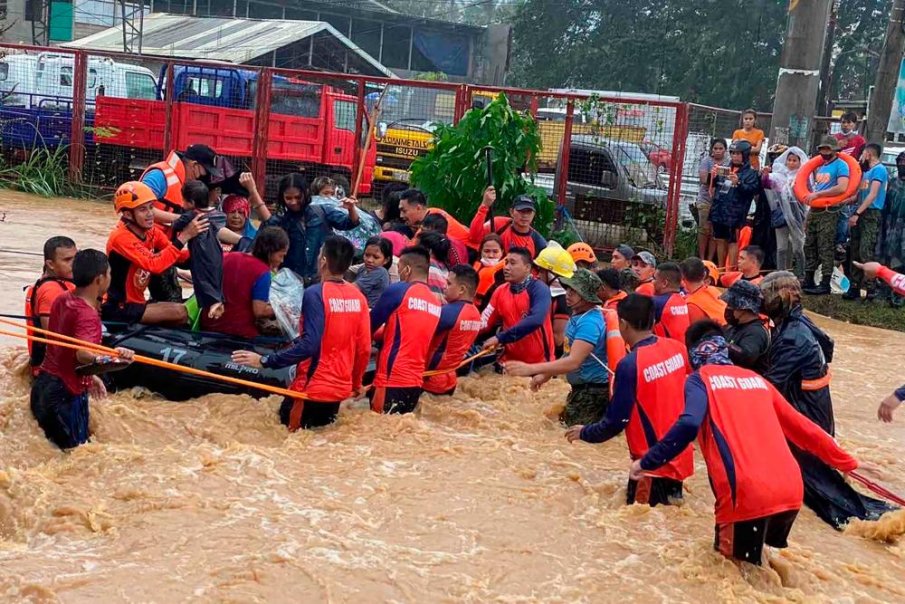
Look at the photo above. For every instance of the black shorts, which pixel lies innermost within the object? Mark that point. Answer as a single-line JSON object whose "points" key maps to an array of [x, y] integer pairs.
{"points": [[62, 415], [315, 414], [745, 540], [394, 400], [724, 233], [125, 312], [654, 491]]}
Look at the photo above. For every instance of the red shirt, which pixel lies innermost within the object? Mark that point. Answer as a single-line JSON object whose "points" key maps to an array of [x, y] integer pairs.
{"points": [[527, 333], [502, 226], [460, 323], [661, 369], [743, 441], [411, 313], [853, 146], [645, 288], [71, 316], [671, 314], [240, 273]]}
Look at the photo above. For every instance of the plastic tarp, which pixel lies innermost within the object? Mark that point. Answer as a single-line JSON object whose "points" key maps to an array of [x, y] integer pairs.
{"points": [[449, 54], [368, 225], [286, 291]]}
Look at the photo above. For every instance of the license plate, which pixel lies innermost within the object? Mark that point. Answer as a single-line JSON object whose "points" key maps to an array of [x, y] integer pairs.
{"points": [[403, 176]]}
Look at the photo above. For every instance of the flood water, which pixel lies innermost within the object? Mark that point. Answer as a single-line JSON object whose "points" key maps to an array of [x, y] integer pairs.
{"points": [[478, 499]]}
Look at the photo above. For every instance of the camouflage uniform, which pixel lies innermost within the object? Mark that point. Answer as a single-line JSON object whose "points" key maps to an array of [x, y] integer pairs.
{"points": [[820, 242], [864, 243], [586, 404], [628, 279]]}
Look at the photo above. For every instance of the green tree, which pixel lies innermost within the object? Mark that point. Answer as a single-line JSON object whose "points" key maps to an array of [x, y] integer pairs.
{"points": [[716, 52], [453, 173]]}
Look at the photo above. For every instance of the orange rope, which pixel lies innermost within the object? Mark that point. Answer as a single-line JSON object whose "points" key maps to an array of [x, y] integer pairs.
{"points": [[77, 344]]}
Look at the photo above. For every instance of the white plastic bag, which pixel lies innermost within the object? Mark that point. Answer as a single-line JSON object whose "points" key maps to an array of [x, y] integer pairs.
{"points": [[286, 290]]}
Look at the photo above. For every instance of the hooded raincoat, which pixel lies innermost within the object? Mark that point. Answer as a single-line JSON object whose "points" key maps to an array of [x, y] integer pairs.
{"points": [[787, 215]]}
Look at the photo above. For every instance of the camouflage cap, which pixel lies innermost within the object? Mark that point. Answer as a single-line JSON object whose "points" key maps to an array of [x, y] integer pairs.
{"points": [[585, 283], [743, 295]]}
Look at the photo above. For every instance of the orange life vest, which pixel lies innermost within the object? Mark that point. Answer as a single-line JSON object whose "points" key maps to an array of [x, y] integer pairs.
{"points": [[174, 171], [486, 275], [707, 300]]}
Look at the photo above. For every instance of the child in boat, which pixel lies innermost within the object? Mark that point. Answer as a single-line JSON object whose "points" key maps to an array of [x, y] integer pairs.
{"points": [[206, 260], [374, 277]]}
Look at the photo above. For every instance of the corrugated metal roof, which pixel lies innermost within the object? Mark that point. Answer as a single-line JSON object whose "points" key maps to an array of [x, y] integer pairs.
{"points": [[219, 39]]}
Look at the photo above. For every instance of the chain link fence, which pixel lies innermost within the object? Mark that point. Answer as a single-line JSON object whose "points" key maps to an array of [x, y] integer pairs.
{"points": [[614, 165]]}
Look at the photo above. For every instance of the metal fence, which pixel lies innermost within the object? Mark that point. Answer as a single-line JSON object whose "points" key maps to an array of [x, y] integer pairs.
{"points": [[615, 165]]}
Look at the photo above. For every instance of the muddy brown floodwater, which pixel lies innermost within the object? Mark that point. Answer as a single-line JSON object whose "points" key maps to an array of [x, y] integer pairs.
{"points": [[477, 499]]}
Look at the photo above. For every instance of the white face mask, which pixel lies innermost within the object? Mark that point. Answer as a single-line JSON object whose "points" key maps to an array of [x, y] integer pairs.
{"points": [[491, 261]]}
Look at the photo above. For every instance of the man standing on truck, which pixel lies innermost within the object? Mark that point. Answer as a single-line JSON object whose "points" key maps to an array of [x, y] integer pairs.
{"points": [[515, 231]]}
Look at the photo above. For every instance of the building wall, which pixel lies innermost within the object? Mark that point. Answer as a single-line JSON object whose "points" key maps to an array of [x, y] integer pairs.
{"points": [[17, 29]]}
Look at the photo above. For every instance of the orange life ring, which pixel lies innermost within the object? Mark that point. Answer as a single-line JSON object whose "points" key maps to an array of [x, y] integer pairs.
{"points": [[803, 178]]}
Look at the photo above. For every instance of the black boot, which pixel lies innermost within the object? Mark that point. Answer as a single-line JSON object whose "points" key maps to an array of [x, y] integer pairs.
{"points": [[853, 293], [808, 282], [820, 290]]}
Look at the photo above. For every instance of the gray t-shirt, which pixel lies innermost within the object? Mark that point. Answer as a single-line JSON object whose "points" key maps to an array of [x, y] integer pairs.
{"points": [[373, 283]]}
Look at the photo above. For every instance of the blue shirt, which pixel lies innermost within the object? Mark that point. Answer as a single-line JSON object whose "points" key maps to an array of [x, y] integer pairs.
{"points": [[876, 174], [157, 182], [589, 327], [307, 231], [827, 176]]}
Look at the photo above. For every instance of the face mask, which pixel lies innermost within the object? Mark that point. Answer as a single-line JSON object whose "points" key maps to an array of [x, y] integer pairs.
{"points": [[901, 170], [826, 156], [729, 315], [490, 261], [865, 166]]}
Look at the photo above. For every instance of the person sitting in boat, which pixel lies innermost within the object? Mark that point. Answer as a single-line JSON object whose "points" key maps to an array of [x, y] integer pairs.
{"points": [[410, 311], [307, 224], [59, 396], [333, 347], [56, 279], [138, 250], [246, 285]]}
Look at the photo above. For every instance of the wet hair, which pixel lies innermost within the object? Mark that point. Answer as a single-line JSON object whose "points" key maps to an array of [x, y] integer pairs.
{"points": [[197, 193], [693, 269], [53, 244], [436, 243], [521, 251], [849, 116], [638, 311], [672, 273], [413, 197], [87, 266], [269, 240], [293, 181], [385, 247], [467, 276], [756, 252], [700, 330], [435, 222], [717, 141], [320, 183], [338, 252], [741, 118], [874, 148], [497, 238], [390, 201], [611, 278], [417, 257]]}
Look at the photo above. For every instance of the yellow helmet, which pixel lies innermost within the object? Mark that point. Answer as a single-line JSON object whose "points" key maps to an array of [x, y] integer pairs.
{"points": [[556, 260], [582, 252]]}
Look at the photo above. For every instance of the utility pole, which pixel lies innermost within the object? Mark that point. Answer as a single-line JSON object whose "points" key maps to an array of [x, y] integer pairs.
{"points": [[826, 68], [887, 75], [799, 73]]}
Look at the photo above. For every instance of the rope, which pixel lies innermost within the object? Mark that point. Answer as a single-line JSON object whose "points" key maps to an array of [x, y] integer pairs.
{"points": [[77, 344], [878, 489]]}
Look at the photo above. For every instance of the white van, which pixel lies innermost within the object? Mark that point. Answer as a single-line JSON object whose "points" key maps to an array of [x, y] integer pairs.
{"points": [[45, 80]]}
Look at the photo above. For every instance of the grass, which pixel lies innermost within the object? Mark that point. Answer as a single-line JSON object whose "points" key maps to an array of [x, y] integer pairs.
{"points": [[44, 172], [874, 314]]}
